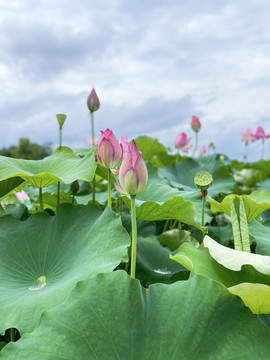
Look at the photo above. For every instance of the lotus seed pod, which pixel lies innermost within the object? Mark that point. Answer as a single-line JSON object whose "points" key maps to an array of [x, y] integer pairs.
{"points": [[61, 119], [203, 180]]}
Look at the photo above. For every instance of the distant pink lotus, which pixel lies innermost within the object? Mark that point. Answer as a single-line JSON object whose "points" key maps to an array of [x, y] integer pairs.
{"points": [[247, 135], [22, 196], [89, 140], [203, 150], [260, 134], [124, 141], [181, 142], [195, 124]]}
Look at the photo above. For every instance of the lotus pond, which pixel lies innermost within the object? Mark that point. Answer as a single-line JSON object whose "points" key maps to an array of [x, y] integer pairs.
{"points": [[201, 288]]}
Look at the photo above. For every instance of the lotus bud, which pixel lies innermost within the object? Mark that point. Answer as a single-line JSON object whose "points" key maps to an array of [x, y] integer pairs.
{"points": [[74, 187], [195, 124], [182, 142], [124, 141], [93, 101], [61, 119], [110, 152], [133, 173]]}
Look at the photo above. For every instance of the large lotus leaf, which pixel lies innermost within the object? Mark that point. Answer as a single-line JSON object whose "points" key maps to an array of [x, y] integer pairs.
{"points": [[235, 259], [160, 201], [261, 234], [255, 296], [262, 165], [255, 203], [62, 165], [153, 151], [200, 262], [6, 186], [154, 263], [181, 175], [43, 257], [113, 317]]}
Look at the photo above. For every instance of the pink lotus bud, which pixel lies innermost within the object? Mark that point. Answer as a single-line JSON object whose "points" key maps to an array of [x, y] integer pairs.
{"points": [[110, 152], [203, 150], [124, 141], [22, 196], [89, 140], [93, 101], [195, 124], [260, 134], [182, 142], [133, 173]]}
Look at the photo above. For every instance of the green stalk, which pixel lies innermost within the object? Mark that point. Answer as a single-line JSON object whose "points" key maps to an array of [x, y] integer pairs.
{"points": [[58, 184], [262, 148], [203, 202], [40, 199], [2, 210], [12, 334], [121, 206], [109, 188], [196, 144], [133, 237], [93, 144], [73, 198]]}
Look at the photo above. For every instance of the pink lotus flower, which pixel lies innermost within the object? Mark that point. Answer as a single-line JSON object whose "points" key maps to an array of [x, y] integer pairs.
{"points": [[93, 101], [247, 135], [89, 140], [203, 150], [182, 142], [22, 196], [195, 124], [124, 141], [260, 134], [133, 174], [110, 152]]}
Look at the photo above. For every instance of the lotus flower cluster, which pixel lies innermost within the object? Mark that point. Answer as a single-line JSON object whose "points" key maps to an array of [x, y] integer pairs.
{"points": [[22, 196], [248, 135], [133, 173], [181, 142]]}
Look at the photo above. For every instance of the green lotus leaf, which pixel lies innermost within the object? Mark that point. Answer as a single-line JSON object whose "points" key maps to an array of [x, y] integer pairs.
{"points": [[235, 259], [200, 262], [113, 317], [154, 263], [62, 165], [160, 201], [255, 203], [6, 186], [42, 258], [249, 177], [153, 151], [261, 234], [255, 296], [181, 175], [175, 237]]}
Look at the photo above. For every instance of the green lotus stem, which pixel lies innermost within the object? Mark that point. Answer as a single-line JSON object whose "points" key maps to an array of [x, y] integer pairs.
{"points": [[166, 225], [121, 206], [93, 144], [133, 237], [174, 223], [58, 193], [40, 199], [12, 334], [2, 210], [60, 136], [262, 148], [203, 202], [73, 198], [196, 144], [109, 188]]}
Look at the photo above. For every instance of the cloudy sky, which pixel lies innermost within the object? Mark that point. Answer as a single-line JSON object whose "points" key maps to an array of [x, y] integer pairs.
{"points": [[153, 64]]}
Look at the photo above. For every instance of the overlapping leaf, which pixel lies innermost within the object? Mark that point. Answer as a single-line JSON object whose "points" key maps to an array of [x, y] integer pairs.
{"points": [[62, 165], [113, 317], [78, 243]]}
